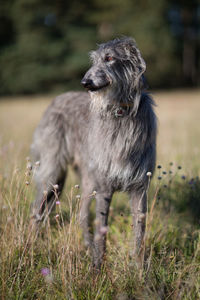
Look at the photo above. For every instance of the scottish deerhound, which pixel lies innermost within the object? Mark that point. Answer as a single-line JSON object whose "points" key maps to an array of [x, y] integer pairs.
{"points": [[108, 134]]}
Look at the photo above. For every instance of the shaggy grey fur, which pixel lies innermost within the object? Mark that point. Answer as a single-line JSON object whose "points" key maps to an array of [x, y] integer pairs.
{"points": [[108, 135]]}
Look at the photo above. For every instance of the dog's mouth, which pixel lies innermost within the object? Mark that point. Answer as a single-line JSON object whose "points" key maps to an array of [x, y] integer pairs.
{"points": [[93, 88]]}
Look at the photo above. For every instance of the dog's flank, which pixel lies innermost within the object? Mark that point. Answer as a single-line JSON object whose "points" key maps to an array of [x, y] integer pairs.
{"points": [[108, 135]]}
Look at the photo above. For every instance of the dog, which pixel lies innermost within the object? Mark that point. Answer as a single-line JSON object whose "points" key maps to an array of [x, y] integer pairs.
{"points": [[108, 134]]}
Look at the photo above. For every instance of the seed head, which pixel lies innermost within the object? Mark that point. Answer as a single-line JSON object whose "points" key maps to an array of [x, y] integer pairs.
{"points": [[37, 163], [97, 237], [29, 166], [55, 186], [78, 196], [97, 222], [76, 186], [45, 193], [57, 216], [27, 182], [94, 193], [149, 174]]}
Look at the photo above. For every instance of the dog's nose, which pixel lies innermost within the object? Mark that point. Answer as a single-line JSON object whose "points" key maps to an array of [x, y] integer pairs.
{"points": [[87, 83]]}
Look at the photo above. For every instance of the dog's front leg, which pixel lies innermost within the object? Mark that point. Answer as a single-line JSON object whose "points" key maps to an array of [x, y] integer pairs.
{"points": [[138, 203], [103, 201]]}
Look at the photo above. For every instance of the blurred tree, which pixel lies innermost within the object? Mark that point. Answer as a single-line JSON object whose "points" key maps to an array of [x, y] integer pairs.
{"points": [[44, 43], [184, 17]]}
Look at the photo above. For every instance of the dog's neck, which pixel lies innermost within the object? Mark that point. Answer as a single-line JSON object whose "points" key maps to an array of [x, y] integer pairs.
{"points": [[121, 109], [103, 106]]}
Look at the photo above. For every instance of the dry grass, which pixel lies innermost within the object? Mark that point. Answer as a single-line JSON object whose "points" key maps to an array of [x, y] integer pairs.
{"points": [[56, 265]]}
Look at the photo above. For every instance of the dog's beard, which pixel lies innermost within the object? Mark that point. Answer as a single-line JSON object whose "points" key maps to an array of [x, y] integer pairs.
{"points": [[102, 101]]}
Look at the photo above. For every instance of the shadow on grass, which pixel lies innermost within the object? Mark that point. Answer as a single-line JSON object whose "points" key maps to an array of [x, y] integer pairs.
{"points": [[183, 196]]}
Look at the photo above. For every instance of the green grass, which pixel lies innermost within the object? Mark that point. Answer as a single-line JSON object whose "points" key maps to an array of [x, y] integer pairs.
{"points": [[172, 251]]}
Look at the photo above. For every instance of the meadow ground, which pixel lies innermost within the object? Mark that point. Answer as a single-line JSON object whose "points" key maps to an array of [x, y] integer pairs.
{"points": [[56, 265]]}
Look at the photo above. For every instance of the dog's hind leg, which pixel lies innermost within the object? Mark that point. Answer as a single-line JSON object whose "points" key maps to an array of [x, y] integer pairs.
{"points": [[49, 148], [49, 186]]}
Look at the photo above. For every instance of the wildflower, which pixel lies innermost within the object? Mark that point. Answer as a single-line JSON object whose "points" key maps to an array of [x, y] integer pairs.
{"points": [[76, 186], [159, 166], [57, 216], [191, 181], [94, 193], [78, 196], [45, 271], [55, 186], [103, 230], [37, 163], [149, 174], [27, 182], [57, 202], [183, 177], [28, 158]]}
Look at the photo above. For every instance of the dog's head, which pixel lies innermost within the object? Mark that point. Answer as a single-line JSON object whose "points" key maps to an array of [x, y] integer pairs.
{"points": [[117, 68]]}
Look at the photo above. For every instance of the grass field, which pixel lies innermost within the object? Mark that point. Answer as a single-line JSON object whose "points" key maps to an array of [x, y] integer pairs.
{"points": [[56, 265]]}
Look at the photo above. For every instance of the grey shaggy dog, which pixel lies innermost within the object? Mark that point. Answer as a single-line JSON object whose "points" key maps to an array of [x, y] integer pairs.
{"points": [[108, 135]]}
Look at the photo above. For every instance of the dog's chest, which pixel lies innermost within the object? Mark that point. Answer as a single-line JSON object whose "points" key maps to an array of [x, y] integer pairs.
{"points": [[110, 151]]}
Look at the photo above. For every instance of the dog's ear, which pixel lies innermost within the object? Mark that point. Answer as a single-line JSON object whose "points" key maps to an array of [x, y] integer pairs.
{"points": [[139, 67], [136, 59]]}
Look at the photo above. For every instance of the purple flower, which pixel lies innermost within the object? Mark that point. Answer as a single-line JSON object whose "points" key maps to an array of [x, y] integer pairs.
{"points": [[45, 272], [57, 202]]}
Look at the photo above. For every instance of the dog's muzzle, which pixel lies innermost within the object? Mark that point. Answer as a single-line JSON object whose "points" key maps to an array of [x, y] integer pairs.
{"points": [[90, 86]]}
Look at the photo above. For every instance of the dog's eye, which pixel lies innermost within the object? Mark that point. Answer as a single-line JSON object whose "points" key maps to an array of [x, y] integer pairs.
{"points": [[108, 58]]}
